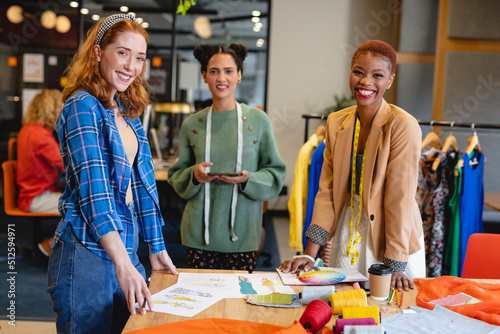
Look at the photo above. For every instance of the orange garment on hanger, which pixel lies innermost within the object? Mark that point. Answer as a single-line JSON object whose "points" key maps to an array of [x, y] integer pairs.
{"points": [[221, 326], [444, 286]]}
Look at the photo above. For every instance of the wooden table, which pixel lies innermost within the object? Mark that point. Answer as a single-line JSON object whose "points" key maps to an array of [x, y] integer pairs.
{"points": [[161, 174], [237, 308], [161, 168], [492, 200]]}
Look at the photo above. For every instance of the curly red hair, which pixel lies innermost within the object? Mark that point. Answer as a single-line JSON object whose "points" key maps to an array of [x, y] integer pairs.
{"points": [[380, 48], [83, 72]]}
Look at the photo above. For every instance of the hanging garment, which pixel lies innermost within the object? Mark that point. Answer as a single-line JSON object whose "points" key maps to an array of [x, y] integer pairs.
{"points": [[313, 186], [298, 196], [430, 200], [471, 200], [452, 254], [433, 195], [445, 170]]}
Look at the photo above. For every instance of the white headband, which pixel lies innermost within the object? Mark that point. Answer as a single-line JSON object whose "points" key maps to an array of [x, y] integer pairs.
{"points": [[109, 22]]}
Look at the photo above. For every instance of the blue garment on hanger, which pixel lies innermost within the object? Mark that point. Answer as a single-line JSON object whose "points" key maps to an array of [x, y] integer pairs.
{"points": [[313, 186], [471, 201]]}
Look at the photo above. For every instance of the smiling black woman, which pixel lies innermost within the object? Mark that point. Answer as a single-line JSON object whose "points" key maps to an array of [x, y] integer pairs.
{"points": [[367, 207]]}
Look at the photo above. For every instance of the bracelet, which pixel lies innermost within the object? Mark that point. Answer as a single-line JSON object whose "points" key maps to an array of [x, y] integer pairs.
{"points": [[304, 256]]}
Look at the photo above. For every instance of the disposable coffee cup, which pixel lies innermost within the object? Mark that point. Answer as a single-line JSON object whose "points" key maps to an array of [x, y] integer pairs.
{"points": [[380, 281]]}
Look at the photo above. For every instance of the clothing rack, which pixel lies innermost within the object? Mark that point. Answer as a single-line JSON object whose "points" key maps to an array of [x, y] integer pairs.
{"points": [[460, 125], [307, 117], [452, 124]]}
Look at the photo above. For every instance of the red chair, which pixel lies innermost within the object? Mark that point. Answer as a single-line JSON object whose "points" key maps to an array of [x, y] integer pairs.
{"points": [[482, 258], [10, 193]]}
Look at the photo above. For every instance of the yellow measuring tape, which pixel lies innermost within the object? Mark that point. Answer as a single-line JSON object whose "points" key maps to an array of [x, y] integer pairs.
{"points": [[351, 251]]}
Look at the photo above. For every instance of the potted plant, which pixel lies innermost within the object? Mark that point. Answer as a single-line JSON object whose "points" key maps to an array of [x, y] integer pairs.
{"points": [[341, 102]]}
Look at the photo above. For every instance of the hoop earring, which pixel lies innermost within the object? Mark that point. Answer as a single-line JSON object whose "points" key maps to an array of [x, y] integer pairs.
{"points": [[206, 81], [239, 81]]}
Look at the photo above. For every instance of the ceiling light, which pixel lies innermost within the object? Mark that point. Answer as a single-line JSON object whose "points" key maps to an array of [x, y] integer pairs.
{"points": [[15, 14], [63, 24], [124, 9], [145, 25], [74, 4], [258, 24], [131, 13], [202, 27], [256, 29], [255, 19], [95, 17], [48, 19], [259, 43], [255, 13], [84, 11], [139, 20]]}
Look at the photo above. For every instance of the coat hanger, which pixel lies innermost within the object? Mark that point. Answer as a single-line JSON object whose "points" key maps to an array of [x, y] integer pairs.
{"points": [[432, 139], [473, 144], [321, 130], [450, 142]]}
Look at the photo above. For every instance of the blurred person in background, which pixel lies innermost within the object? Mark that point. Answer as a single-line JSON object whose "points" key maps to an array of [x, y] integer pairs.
{"points": [[39, 160]]}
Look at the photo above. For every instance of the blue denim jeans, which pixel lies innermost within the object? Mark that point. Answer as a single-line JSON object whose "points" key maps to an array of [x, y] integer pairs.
{"points": [[84, 289]]}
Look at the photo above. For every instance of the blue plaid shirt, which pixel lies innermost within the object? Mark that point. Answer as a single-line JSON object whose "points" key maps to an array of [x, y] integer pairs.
{"points": [[97, 176]]}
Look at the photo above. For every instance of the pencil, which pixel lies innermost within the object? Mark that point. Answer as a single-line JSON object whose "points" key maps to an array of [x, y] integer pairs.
{"points": [[147, 284], [397, 297], [391, 296], [401, 304]]}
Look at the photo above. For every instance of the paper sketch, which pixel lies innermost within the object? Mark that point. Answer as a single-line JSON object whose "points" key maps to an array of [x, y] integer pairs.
{"points": [[184, 300], [236, 285]]}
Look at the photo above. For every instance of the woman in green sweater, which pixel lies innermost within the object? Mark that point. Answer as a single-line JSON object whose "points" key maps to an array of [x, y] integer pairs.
{"points": [[221, 223]]}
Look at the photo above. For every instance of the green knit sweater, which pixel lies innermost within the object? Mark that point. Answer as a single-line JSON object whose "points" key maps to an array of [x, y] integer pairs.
{"points": [[261, 159]]}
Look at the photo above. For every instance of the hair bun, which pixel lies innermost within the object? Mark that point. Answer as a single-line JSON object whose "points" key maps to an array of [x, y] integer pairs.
{"points": [[201, 52], [240, 50]]}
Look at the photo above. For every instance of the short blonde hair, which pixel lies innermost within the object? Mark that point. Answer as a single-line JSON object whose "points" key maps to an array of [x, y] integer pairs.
{"points": [[44, 109]]}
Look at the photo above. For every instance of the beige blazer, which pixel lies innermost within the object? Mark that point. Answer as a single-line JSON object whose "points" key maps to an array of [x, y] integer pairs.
{"points": [[390, 179]]}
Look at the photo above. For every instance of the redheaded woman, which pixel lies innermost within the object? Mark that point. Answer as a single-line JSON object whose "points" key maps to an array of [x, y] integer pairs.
{"points": [[95, 277]]}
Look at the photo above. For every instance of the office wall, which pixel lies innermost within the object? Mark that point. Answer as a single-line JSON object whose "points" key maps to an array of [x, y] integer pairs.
{"points": [[310, 48]]}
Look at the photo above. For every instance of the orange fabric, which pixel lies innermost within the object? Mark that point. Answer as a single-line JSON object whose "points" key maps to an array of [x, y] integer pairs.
{"points": [[440, 287], [221, 326]]}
